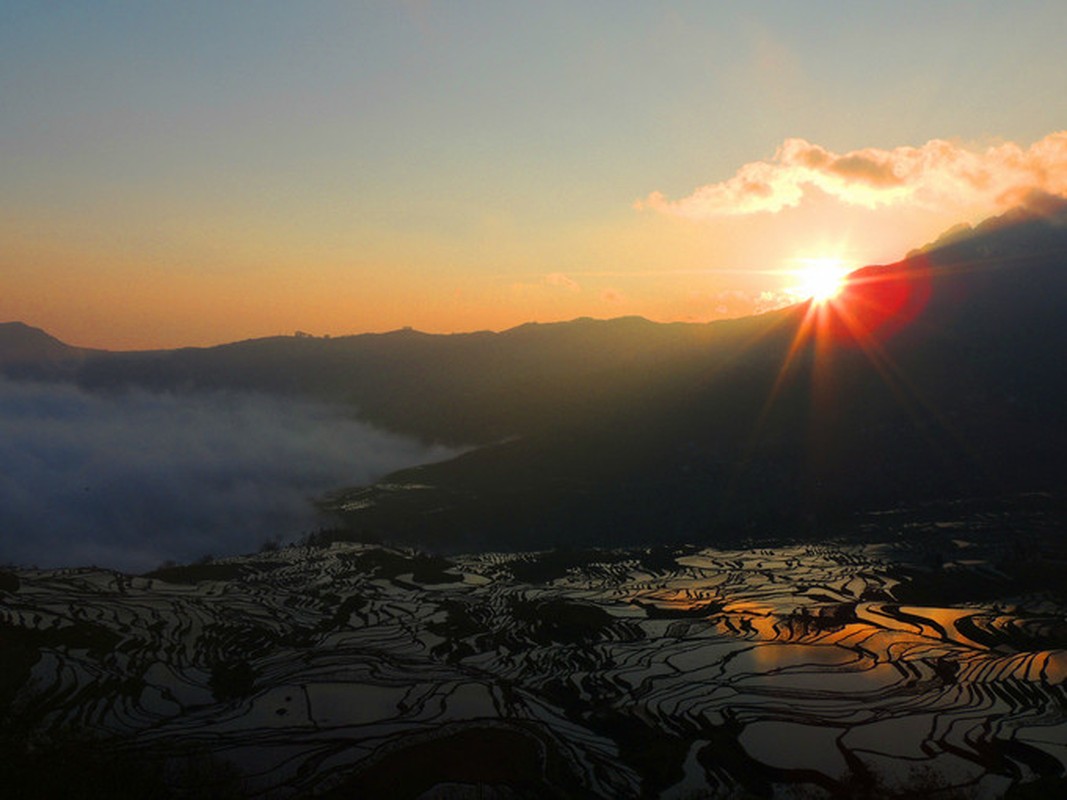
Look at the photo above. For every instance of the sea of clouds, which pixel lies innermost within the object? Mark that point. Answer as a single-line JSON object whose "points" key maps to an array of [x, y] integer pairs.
{"points": [[131, 480]]}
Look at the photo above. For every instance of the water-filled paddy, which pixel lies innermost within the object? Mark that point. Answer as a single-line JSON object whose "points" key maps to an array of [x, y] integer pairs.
{"points": [[682, 672]]}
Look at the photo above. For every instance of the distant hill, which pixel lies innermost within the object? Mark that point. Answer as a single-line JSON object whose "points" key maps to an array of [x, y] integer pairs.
{"points": [[19, 343], [462, 388], [30, 352]]}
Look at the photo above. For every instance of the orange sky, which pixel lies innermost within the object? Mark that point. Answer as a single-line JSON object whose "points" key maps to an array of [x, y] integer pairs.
{"points": [[188, 177], [659, 266]]}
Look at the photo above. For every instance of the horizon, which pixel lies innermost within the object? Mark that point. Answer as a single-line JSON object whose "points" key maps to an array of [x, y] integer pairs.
{"points": [[306, 334], [189, 175], [794, 295]]}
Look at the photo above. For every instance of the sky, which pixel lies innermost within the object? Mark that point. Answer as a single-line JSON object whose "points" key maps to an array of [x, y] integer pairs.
{"points": [[191, 173]]}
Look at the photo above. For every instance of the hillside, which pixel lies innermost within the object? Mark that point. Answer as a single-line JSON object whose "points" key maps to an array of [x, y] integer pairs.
{"points": [[30, 352], [461, 388], [937, 377]]}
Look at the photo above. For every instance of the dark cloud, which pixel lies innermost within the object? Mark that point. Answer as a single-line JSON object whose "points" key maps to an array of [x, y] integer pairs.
{"points": [[130, 480]]}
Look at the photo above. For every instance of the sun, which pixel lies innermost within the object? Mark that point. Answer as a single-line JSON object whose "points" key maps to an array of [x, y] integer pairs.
{"points": [[820, 279]]}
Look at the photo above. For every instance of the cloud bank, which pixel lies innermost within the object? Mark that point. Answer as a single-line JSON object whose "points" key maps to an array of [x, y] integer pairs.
{"points": [[937, 174], [132, 480]]}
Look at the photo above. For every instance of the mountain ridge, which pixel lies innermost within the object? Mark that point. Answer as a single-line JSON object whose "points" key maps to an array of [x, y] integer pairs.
{"points": [[30, 352], [22, 342]]}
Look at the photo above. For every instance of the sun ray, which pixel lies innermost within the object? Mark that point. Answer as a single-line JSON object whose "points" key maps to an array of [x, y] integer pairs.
{"points": [[856, 311], [907, 394], [800, 338]]}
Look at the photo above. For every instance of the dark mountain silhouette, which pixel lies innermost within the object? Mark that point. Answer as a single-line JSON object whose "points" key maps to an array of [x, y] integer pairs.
{"points": [[30, 352], [934, 378], [937, 378], [462, 388]]}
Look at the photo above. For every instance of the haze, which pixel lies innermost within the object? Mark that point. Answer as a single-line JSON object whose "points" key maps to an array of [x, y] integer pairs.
{"points": [[131, 480]]}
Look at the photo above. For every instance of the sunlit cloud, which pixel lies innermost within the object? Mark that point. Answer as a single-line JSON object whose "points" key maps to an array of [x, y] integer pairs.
{"points": [[939, 173], [562, 281]]}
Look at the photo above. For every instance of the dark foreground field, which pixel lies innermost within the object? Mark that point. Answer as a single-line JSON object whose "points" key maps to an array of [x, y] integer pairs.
{"points": [[928, 654]]}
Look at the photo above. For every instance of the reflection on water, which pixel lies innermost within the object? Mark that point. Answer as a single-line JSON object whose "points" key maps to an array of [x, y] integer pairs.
{"points": [[723, 672]]}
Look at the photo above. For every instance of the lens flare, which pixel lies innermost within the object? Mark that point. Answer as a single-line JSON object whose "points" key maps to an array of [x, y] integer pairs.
{"points": [[859, 310], [821, 279]]}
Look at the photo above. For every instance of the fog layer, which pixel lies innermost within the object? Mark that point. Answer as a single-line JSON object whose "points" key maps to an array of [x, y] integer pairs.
{"points": [[128, 481]]}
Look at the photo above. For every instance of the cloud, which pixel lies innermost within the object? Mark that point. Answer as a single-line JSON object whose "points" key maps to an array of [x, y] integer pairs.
{"points": [[937, 174], [128, 481], [561, 280]]}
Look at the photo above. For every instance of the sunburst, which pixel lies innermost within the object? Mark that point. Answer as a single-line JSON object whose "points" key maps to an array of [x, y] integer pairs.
{"points": [[820, 279]]}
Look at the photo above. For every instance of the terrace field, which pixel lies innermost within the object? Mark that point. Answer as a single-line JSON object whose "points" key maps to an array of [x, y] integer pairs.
{"points": [[928, 652]]}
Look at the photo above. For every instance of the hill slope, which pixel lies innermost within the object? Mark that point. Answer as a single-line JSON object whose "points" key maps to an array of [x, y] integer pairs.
{"points": [[937, 377], [462, 388], [28, 351]]}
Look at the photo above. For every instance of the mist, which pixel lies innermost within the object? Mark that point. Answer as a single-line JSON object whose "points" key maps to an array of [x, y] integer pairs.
{"points": [[132, 480]]}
